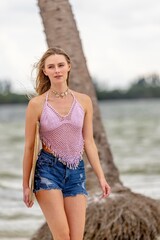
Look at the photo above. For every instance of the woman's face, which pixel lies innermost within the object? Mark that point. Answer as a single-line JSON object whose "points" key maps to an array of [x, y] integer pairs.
{"points": [[56, 68]]}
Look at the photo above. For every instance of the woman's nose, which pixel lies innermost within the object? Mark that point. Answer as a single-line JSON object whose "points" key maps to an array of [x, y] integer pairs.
{"points": [[57, 69]]}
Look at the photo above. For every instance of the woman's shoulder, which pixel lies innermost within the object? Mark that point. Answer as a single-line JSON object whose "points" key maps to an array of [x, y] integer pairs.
{"points": [[84, 99], [37, 100], [82, 96], [36, 104]]}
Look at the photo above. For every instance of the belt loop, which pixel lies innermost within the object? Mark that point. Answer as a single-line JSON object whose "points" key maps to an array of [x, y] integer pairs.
{"points": [[55, 159]]}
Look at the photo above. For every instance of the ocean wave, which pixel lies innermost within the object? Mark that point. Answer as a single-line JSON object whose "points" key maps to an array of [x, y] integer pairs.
{"points": [[141, 170], [10, 175]]}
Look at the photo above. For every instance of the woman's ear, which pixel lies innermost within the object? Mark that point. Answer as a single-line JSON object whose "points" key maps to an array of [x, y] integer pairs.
{"points": [[69, 67], [44, 72]]}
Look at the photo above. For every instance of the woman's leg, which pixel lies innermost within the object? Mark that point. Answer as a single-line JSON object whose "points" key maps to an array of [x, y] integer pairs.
{"points": [[75, 207], [52, 205]]}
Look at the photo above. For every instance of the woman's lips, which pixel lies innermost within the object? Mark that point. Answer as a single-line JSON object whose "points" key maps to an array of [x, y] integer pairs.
{"points": [[58, 76]]}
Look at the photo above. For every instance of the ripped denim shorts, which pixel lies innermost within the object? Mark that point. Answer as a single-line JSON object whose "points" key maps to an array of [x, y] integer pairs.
{"points": [[52, 174]]}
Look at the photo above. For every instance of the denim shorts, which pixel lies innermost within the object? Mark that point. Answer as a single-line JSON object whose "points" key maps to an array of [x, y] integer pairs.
{"points": [[50, 173]]}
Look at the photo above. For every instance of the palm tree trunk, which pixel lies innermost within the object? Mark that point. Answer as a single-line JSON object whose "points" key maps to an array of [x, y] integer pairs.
{"points": [[61, 31]]}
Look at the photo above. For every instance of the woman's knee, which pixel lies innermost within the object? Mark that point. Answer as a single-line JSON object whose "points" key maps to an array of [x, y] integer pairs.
{"points": [[63, 235]]}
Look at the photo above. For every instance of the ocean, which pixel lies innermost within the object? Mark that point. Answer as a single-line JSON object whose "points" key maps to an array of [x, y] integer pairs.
{"points": [[133, 131]]}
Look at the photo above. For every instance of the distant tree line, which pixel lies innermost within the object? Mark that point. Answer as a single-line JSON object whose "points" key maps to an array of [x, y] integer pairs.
{"points": [[13, 98], [144, 87], [7, 96]]}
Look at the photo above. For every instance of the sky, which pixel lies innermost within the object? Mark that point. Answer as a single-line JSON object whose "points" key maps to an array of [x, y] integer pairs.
{"points": [[121, 40]]}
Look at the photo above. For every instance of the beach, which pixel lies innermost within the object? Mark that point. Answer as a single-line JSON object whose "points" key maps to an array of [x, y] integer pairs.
{"points": [[133, 130]]}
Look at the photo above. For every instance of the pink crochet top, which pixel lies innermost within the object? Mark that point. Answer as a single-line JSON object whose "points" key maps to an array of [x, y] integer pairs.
{"points": [[63, 134]]}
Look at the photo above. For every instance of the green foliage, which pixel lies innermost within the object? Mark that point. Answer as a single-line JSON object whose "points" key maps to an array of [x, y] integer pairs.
{"points": [[144, 87], [5, 86], [6, 95], [12, 98]]}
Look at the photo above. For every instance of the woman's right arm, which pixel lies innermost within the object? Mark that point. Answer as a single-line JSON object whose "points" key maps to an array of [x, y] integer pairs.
{"points": [[32, 116]]}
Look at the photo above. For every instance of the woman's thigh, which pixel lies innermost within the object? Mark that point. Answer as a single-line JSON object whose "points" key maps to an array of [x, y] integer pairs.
{"points": [[75, 208], [52, 205]]}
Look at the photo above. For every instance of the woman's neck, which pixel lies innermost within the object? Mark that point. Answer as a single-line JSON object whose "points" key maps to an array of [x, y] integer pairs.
{"points": [[59, 88]]}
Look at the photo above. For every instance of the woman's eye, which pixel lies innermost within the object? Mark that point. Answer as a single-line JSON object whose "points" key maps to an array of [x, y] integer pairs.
{"points": [[61, 65]]}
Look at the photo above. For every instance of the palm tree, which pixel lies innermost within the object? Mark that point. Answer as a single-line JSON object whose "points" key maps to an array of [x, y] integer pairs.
{"points": [[124, 215]]}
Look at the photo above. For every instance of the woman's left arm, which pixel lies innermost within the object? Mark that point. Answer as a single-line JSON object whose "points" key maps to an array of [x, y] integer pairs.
{"points": [[91, 149]]}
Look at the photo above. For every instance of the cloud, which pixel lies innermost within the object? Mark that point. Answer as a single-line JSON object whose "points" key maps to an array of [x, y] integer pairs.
{"points": [[120, 38], [22, 41]]}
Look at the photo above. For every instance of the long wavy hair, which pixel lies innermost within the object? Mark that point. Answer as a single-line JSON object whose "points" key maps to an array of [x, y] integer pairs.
{"points": [[43, 81]]}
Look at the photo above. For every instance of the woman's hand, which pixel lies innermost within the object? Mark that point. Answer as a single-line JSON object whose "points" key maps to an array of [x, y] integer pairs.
{"points": [[105, 188], [27, 197]]}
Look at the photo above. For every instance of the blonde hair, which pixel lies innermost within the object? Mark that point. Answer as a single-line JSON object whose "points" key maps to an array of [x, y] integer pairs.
{"points": [[43, 81]]}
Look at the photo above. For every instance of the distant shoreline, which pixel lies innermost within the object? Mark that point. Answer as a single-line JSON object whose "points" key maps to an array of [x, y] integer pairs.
{"points": [[13, 98]]}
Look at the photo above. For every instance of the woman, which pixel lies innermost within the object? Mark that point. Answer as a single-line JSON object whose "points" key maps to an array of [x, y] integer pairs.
{"points": [[65, 118]]}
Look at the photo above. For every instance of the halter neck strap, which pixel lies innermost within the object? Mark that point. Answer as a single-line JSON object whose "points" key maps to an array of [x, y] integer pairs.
{"points": [[47, 95]]}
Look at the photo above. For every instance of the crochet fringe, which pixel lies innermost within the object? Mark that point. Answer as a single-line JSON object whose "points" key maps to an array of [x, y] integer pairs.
{"points": [[73, 164]]}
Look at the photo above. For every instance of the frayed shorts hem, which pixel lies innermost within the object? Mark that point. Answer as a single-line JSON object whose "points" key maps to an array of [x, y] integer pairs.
{"points": [[41, 189], [75, 194], [64, 194]]}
